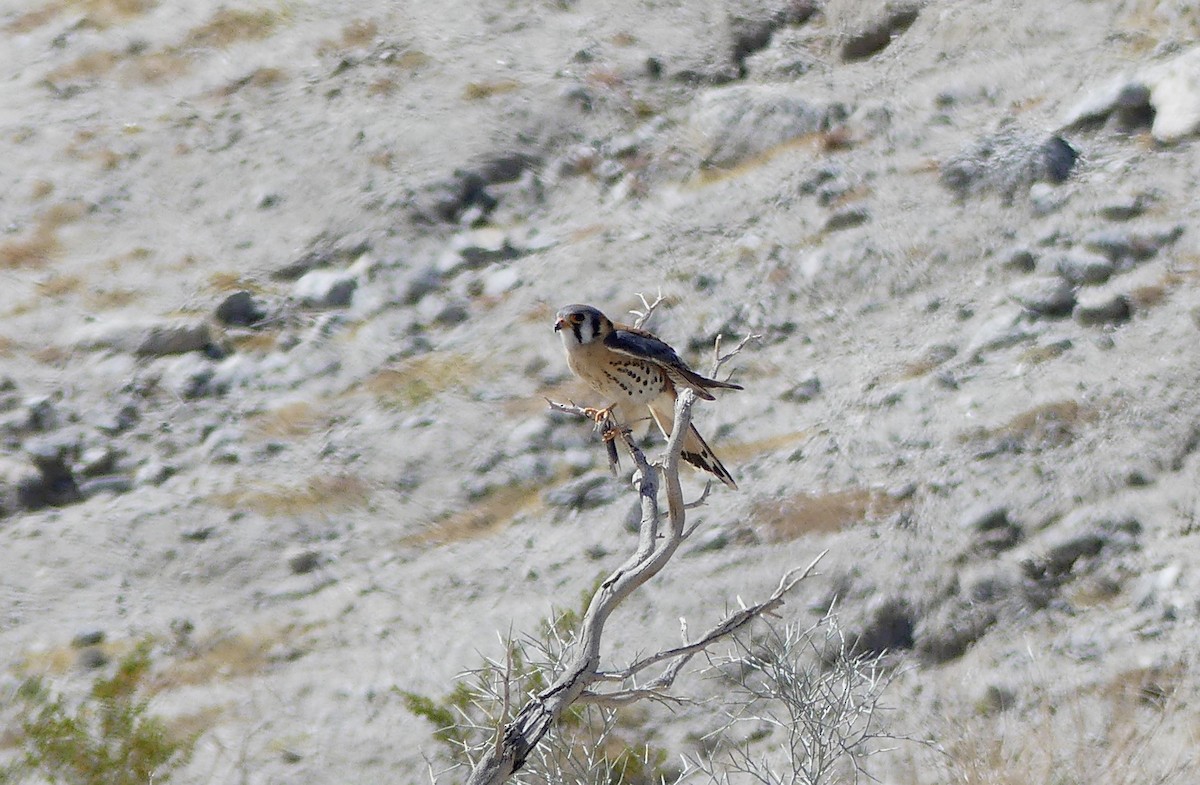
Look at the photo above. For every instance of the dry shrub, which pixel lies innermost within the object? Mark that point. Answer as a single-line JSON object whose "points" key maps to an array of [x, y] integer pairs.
{"points": [[36, 249], [92, 65], [480, 519], [737, 452], [294, 419], [421, 379], [1130, 731], [96, 13], [821, 513], [60, 285], [160, 67], [111, 299], [258, 78], [228, 26], [319, 493], [224, 657], [1045, 426], [40, 190], [477, 91]]}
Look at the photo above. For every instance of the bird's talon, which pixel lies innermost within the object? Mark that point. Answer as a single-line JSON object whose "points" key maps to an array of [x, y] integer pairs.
{"points": [[599, 415]]}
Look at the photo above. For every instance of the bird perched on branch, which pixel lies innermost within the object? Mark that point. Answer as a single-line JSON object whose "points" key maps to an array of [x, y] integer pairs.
{"points": [[631, 368]]}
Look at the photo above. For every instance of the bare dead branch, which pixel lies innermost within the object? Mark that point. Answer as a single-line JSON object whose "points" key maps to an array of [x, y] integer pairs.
{"points": [[728, 626], [518, 739], [644, 316], [720, 359]]}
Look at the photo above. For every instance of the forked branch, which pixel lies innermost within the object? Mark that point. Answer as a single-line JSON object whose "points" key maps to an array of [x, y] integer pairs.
{"points": [[656, 545]]}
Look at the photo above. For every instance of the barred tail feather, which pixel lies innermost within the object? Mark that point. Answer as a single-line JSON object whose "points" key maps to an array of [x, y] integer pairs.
{"points": [[695, 450]]}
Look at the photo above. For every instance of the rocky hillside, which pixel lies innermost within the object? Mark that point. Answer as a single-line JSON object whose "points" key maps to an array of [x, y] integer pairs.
{"points": [[275, 341]]}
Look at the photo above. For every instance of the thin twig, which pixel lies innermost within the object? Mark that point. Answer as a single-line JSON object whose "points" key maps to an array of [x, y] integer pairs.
{"points": [[720, 359], [644, 316]]}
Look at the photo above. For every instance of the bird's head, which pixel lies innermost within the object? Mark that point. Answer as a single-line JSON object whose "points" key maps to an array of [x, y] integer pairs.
{"points": [[581, 324]]}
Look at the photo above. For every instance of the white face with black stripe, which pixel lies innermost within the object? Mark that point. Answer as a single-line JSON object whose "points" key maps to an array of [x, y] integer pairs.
{"points": [[579, 325]]}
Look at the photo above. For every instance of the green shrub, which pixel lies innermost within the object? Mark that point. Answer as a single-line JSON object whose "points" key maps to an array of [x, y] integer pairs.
{"points": [[108, 738]]}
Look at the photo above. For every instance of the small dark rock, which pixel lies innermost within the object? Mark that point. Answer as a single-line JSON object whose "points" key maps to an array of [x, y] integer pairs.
{"points": [[1126, 207], [506, 167], [985, 518], [125, 418], [803, 391], [1125, 103], [847, 217], [1125, 246], [890, 628], [114, 484], [323, 252], [304, 561], [423, 282], [42, 414], [198, 533], [876, 37], [326, 288], [240, 309], [995, 699], [1021, 259], [167, 339], [1008, 162], [1061, 558], [1081, 267], [1112, 309], [950, 631], [1050, 297], [92, 658], [1058, 159], [87, 638], [97, 461], [584, 493], [54, 485]]}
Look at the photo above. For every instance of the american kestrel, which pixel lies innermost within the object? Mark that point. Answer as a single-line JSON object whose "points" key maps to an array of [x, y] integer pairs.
{"points": [[632, 368]]}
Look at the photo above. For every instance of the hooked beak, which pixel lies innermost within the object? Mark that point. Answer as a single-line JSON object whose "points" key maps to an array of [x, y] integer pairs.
{"points": [[559, 324]]}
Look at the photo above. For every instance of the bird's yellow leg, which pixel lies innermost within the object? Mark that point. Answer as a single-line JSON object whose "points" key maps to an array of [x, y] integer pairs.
{"points": [[599, 415]]}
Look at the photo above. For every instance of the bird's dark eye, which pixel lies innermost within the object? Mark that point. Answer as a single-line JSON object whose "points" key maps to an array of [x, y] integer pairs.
{"points": [[576, 318]]}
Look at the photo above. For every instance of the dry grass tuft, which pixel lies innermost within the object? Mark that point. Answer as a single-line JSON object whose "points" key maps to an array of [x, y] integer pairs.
{"points": [[160, 67], [34, 250], [230, 281], [821, 513], [257, 342], [41, 245], [478, 91], [359, 32], [40, 190], [319, 493], [411, 60], [53, 356], [60, 285], [740, 451], [1130, 732], [96, 13], [479, 520], [229, 26], [92, 65], [111, 299], [259, 78], [298, 418], [1148, 23], [420, 379], [1046, 426], [226, 657]]}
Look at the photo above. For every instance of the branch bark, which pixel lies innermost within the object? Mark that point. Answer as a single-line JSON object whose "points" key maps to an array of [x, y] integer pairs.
{"points": [[518, 739]]}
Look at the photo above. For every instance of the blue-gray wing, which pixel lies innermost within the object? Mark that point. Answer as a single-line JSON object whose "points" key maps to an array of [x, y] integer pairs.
{"points": [[644, 346]]}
